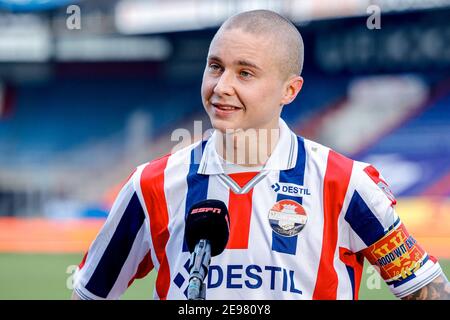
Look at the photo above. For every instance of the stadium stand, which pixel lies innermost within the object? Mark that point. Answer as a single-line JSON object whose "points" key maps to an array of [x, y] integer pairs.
{"points": [[421, 146]]}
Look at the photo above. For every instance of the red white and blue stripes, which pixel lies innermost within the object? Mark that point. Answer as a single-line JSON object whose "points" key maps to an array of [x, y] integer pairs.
{"points": [[347, 211]]}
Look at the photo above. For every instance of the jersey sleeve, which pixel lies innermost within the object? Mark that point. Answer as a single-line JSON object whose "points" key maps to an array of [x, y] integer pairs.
{"points": [[379, 234], [120, 252]]}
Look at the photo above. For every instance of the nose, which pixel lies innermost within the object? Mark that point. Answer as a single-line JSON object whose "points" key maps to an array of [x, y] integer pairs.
{"points": [[224, 85]]}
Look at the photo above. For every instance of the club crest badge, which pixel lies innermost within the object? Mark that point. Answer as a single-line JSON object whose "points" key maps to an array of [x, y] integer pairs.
{"points": [[287, 218]]}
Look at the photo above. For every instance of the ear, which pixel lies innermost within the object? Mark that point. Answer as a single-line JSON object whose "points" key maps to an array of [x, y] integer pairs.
{"points": [[292, 87]]}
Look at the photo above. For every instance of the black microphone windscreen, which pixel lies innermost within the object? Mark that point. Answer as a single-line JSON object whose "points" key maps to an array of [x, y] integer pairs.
{"points": [[208, 220]]}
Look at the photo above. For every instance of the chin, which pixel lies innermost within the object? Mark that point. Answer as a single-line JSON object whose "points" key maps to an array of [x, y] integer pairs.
{"points": [[223, 125]]}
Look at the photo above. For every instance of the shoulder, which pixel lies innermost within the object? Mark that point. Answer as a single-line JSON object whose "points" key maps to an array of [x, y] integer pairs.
{"points": [[360, 176], [328, 159], [337, 167], [151, 171], [333, 157], [319, 152]]}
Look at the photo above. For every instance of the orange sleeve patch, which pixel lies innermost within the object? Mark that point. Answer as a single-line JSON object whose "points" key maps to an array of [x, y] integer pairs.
{"points": [[397, 255]]}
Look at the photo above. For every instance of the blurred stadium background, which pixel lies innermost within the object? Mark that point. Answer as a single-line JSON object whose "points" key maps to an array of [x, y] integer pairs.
{"points": [[80, 108]]}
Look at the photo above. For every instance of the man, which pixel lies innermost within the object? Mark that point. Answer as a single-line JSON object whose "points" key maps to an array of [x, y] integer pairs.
{"points": [[302, 217]]}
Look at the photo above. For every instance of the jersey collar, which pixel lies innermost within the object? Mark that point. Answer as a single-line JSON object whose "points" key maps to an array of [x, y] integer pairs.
{"points": [[283, 157]]}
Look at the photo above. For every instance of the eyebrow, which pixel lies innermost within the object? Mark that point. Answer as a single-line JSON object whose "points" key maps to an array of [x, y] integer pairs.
{"points": [[240, 62]]}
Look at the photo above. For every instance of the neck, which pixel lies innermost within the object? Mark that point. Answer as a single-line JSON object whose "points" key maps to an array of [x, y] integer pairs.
{"points": [[250, 147]]}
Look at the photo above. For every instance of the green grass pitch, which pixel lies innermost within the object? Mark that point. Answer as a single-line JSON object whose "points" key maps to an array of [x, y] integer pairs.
{"points": [[47, 276]]}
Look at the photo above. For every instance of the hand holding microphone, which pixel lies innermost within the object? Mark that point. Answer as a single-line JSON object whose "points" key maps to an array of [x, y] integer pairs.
{"points": [[207, 230]]}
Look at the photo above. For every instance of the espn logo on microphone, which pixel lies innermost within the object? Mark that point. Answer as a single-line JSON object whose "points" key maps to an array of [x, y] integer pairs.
{"points": [[200, 210]]}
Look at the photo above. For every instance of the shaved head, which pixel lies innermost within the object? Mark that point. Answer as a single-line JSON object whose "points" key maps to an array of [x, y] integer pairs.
{"points": [[287, 41], [252, 71]]}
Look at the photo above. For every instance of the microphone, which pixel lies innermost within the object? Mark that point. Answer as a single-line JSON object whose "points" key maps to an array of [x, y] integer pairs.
{"points": [[206, 233]]}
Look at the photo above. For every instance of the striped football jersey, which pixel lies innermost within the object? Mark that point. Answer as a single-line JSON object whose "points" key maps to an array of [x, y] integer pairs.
{"points": [[299, 229]]}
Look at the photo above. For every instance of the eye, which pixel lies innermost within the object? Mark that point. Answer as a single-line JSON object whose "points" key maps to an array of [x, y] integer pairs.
{"points": [[245, 74], [214, 67]]}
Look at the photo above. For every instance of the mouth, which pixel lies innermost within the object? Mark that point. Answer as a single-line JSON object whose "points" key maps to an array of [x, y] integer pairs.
{"points": [[225, 109]]}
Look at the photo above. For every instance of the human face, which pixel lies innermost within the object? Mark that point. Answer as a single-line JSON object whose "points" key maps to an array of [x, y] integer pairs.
{"points": [[242, 85]]}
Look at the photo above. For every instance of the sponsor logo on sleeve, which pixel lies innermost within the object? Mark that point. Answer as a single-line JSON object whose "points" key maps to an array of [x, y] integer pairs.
{"points": [[375, 176]]}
